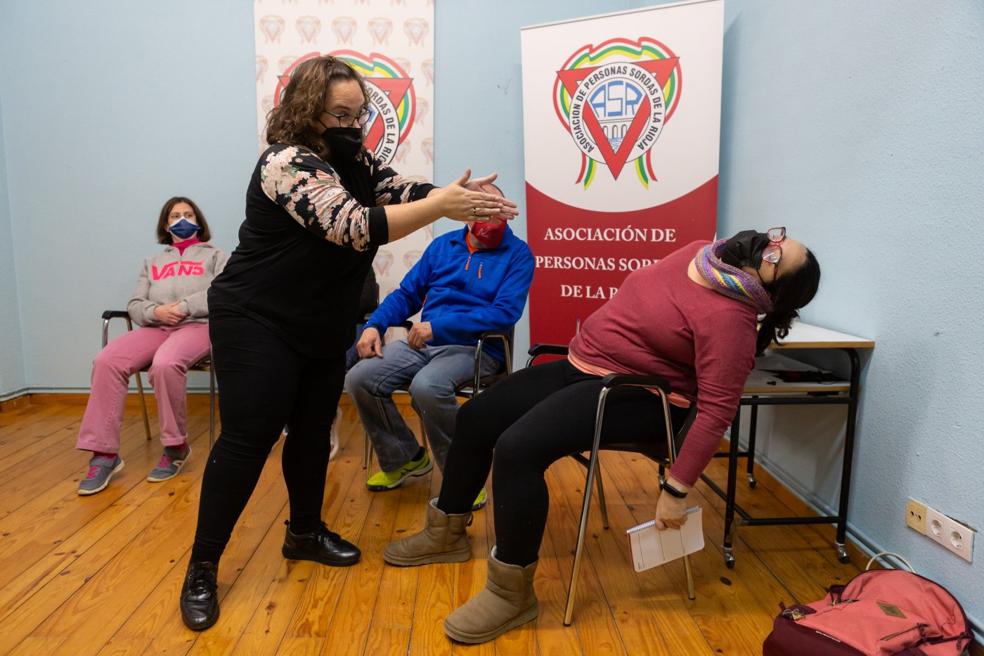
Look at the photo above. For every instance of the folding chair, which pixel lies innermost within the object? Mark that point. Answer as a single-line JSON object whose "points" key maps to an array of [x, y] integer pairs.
{"points": [[647, 448], [205, 364]]}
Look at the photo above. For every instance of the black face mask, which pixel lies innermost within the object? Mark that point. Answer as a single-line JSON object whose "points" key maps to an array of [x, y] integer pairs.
{"points": [[344, 143], [745, 249]]}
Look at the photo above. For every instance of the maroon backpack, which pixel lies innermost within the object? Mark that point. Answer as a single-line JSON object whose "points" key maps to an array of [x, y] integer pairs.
{"points": [[886, 612]]}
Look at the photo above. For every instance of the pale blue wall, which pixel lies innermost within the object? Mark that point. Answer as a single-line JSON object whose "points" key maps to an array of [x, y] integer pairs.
{"points": [[854, 124], [111, 107], [858, 125], [142, 100], [11, 347]]}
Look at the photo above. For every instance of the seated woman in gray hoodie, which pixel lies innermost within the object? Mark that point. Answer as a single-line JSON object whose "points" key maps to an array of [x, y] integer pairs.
{"points": [[171, 308]]}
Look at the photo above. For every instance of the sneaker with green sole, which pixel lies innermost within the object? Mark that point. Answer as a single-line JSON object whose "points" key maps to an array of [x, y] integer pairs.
{"points": [[480, 500], [390, 480]]}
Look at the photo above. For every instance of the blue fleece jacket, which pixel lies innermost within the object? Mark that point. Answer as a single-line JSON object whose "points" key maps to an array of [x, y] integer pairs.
{"points": [[462, 294]]}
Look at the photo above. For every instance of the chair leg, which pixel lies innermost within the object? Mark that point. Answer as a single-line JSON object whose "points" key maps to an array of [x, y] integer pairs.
{"points": [[750, 461], [582, 529], [601, 499], [211, 407], [143, 406], [691, 595], [367, 455]]}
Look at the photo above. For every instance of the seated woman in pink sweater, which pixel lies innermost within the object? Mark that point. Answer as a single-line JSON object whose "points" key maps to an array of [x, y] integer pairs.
{"points": [[690, 318], [171, 308]]}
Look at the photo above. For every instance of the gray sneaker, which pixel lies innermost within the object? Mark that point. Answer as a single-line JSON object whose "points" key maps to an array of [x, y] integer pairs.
{"points": [[171, 462], [101, 470]]}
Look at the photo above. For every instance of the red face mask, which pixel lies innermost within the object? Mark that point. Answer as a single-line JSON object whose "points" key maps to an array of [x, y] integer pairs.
{"points": [[488, 233]]}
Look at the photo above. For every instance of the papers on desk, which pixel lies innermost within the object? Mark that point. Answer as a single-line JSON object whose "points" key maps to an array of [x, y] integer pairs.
{"points": [[651, 548]]}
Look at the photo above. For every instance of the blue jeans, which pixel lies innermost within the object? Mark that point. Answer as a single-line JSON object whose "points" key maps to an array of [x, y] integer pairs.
{"points": [[433, 373]]}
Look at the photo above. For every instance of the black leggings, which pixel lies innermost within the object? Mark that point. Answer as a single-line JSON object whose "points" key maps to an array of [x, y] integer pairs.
{"points": [[265, 385], [524, 424]]}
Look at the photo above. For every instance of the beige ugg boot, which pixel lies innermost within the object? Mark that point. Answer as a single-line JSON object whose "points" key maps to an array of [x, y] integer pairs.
{"points": [[506, 602], [443, 540]]}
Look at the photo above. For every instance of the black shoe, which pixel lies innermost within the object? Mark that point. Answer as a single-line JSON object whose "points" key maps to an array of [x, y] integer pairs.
{"points": [[199, 599], [321, 546]]}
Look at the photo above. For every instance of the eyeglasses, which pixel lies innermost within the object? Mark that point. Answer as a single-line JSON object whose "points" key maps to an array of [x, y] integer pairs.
{"points": [[773, 252], [347, 121]]}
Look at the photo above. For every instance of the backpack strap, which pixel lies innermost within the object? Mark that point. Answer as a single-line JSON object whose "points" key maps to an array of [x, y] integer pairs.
{"points": [[966, 635]]}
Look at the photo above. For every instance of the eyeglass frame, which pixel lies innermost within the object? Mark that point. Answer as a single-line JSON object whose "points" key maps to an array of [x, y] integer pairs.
{"points": [[773, 252], [361, 119]]}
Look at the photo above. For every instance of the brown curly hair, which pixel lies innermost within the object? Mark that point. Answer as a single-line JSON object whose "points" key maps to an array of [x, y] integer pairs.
{"points": [[294, 120]]}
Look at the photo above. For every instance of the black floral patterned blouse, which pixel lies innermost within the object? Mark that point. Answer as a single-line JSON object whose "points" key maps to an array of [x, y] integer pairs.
{"points": [[307, 244]]}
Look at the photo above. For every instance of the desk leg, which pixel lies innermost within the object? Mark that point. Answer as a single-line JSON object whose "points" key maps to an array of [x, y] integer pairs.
{"points": [[729, 501], [852, 418], [750, 463]]}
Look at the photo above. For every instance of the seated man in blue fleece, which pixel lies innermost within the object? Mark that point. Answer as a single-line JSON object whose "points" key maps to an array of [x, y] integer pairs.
{"points": [[467, 281]]}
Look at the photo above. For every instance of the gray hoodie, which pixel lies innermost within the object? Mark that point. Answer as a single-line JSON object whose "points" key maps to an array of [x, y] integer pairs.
{"points": [[171, 276]]}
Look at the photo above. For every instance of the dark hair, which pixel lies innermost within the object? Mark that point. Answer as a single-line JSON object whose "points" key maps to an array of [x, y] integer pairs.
{"points": [[790, 291], [164, 237], [294, 121]]}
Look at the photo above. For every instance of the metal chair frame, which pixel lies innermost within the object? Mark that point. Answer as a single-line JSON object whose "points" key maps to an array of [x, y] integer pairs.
{"points": [[477, 384], [205, 364], [611, 382]]}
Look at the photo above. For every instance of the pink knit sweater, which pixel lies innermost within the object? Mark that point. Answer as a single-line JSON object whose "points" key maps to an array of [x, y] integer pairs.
{"points": [[661, 322]]}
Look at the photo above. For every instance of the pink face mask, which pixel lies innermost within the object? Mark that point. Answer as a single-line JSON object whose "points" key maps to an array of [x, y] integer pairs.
{"points": [[489, 233]]}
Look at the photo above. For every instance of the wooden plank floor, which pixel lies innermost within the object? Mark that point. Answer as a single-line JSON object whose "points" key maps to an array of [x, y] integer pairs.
{"points": [[101, 574]]}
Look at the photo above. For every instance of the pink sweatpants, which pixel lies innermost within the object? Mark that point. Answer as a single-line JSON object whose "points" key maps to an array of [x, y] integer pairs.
{"points": [[169, 351]]}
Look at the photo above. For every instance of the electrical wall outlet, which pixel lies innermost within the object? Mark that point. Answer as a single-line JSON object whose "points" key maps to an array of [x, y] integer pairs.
{"points": [[915, 516], [936, 526], [950, 533], [960, 539]]}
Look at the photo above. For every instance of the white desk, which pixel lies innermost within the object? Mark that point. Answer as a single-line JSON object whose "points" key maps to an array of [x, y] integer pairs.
{"points": [[765, 388]]}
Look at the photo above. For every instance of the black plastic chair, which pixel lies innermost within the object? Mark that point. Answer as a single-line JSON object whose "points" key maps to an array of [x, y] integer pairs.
{"points": [[205, 364], [650, 449]]}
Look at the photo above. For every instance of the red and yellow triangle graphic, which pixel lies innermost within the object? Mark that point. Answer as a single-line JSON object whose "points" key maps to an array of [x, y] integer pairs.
{"points": [[661, 69], [394, 88]]}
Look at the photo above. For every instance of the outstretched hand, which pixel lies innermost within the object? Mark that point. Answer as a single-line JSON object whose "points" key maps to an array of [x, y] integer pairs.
{"points": [[479, 184], [463, 200]]}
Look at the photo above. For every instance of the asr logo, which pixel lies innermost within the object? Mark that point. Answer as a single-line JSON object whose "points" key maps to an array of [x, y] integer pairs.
{"points": [[392, 101], [614, 100]]}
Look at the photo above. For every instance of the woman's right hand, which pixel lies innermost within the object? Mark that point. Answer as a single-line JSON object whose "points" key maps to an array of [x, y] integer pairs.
{"points": [[671, 512], [460, 203]]}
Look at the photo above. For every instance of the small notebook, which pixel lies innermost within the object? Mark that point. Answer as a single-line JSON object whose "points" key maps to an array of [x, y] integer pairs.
{"points": [[651, 547]]}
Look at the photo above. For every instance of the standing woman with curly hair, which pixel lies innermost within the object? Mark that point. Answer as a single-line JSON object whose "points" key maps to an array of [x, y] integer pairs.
{"points": [[282, 313]]}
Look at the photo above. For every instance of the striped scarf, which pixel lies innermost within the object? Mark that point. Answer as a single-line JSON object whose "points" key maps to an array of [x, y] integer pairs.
{"points": [[731, 281]]}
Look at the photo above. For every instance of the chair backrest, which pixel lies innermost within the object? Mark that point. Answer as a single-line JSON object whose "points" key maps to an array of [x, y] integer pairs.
{"points": [[510, 350], [478, 383]]}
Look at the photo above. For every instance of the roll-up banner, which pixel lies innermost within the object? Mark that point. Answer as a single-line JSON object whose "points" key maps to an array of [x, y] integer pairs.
{"points": [[621, 117], [392, 46]]}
